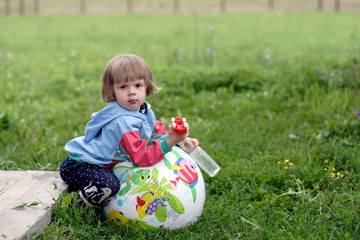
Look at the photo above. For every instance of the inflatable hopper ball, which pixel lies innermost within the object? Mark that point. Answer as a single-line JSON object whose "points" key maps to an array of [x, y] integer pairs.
{"points": [[170, 193]]}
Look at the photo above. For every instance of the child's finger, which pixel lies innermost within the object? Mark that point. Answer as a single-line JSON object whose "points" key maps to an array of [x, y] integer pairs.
{"points": [[171, 128], [183, 147]]}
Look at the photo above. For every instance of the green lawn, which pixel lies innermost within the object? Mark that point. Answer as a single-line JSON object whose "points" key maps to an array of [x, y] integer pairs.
{"points": [[257, 89]]}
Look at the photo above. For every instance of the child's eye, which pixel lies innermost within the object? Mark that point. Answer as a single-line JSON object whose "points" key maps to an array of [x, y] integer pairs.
{"points": [[122, 87], [138, 85]]}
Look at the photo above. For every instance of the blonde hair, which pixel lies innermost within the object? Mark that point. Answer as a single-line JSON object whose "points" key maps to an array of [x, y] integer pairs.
{"points": [[125, 68]]}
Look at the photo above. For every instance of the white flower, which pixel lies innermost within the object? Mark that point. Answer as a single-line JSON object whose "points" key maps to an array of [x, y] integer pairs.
{"points": [[74, 53], [293, 136]]}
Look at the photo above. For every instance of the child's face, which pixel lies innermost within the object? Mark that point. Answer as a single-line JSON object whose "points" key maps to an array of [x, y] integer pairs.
{"points": [[130, 95]]}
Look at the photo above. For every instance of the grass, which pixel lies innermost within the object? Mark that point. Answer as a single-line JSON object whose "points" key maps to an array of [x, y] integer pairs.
{"points": [[257, 89]]}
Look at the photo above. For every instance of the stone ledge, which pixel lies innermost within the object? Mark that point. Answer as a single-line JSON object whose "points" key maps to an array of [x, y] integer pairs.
{"points": [[18, 190]]}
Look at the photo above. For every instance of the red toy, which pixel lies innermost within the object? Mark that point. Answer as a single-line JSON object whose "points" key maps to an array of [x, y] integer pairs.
{"points": [[180, 125]]}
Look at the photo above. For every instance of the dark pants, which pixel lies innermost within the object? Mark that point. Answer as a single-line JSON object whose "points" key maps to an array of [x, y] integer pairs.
{"points": [[96, 185]]}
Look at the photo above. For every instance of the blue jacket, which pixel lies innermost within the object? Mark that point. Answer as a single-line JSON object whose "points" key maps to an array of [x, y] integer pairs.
{"points": [[116, 134]]}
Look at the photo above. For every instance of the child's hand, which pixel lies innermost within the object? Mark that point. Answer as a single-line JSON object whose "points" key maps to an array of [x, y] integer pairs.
{"points": [[175, 138], [192, 143]]}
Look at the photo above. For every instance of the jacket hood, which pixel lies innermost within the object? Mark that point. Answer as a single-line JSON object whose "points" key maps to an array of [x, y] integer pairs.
{"points": [[112, 111]]}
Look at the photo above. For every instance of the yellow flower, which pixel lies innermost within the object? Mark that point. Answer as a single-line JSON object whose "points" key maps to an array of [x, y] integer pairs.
{"points": [[333, 169], [333, 175], [325, 169], [317, 187], [339, 174], [290, 164], [286, 160], [278, 162], [342, 176], [286, 167], [326, 161]]}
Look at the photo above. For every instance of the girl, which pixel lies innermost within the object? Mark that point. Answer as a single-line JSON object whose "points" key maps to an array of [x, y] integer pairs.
{"points": [[126, 129]]}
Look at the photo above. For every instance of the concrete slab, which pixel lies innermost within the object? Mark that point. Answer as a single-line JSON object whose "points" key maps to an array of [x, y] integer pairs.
{"points": [[26, 202]]}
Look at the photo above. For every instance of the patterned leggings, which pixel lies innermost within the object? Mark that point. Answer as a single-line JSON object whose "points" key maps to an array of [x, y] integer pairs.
{"points": [[96, 185]]}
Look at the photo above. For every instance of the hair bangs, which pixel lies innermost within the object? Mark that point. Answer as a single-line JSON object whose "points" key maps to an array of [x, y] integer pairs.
{"points": [[131, 70]]}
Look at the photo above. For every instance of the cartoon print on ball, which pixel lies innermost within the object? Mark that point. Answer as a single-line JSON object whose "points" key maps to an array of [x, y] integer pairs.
{"points": [[126, 174], [154, 204], [117, 218], [186, 171], [156, 198]]}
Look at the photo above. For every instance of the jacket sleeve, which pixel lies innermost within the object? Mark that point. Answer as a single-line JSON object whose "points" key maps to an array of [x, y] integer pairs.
{"points": [[141, 152], [160, 128]]}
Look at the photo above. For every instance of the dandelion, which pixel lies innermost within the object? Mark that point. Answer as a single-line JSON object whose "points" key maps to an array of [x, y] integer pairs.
{"points": [[333, 175], [290, 164], [279, 162], [286, 168], [286, 160], [339, 174], [333, 169], [326, 161], [342, 175], [325, 169]]}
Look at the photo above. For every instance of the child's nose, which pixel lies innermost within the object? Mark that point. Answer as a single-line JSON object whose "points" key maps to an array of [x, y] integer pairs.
{"points": [[131, 90]]}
